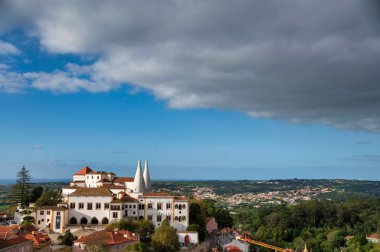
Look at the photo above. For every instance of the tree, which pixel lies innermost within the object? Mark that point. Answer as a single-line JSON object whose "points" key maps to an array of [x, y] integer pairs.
{"points": [[67, 239], [49, 198], [145, 229], [21, 190], [165, 238], [36, 193]]}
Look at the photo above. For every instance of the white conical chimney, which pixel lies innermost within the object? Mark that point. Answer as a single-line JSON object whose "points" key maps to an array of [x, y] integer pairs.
{"points": [[148, 187], [139, 183]]}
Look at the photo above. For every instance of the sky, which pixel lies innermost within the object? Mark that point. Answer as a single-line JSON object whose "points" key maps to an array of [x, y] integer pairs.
{"points": [[202, 89]]}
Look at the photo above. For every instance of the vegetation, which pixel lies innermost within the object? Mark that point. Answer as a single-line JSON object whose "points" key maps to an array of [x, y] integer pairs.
{"points": [[28, 220], [21, 190], [49, 198], [67, 239], [321, 224], [165, 238], [36, 193], [139, 247]]}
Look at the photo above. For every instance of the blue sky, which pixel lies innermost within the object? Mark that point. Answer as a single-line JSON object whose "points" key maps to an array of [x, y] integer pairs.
{"points": [[75, 91]]}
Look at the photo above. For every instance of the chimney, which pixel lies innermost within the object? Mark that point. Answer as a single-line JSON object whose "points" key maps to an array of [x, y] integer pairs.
{"points": [[148, 186], [139, 184]]}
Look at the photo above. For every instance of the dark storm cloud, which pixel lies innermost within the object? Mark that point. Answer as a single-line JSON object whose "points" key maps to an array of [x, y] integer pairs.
{"points": [[301, 61]]}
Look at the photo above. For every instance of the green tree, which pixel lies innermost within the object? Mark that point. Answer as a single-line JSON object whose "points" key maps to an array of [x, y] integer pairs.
{"points": [[21, 190], [165, 238], [49, 198], [67, 239], [36, 193], [145, 229]]}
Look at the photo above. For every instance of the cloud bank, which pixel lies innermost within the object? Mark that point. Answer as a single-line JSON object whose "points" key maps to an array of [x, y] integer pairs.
{"points": [[301, 61]]}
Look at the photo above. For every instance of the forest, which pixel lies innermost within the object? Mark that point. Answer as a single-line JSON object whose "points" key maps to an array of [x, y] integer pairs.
{"points": [[321, 224]]}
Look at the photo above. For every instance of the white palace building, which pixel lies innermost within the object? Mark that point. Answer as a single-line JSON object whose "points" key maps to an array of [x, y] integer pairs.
{"points": [[96, 198]]}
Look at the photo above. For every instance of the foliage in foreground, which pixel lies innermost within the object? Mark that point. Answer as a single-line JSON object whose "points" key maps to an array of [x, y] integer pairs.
{"points": [[143, 228], [165, 238], [321, 224], [67, 239]]}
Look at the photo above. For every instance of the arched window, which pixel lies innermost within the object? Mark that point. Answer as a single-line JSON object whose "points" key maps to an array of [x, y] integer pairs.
{"points": [[176, 206], [183, 206], [179, 218], [73, 221], [83, 220], [176, 218], [141, 217], [183, 218], [94, 221], [105, 221]]}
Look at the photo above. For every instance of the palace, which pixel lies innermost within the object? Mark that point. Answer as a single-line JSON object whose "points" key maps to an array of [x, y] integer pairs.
{"points": [[96, 198]]}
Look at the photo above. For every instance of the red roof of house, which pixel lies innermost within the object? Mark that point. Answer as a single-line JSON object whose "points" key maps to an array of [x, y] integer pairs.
{"points": [[7, 231], [233, 249], [38, 239], [374, 236], [13, 242], [84, 171], [109, 237], [122, 180]]}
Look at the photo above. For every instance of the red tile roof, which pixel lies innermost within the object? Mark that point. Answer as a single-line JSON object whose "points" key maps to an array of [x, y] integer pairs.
{"points": [[113, 186], [233, 249], [374, 236], [122, 180], [13, 242], [109, 237], [7, 231], [85, 191], [84, 171], [38, 239]]}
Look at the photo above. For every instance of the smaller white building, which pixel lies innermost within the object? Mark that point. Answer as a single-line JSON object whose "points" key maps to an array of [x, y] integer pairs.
{"points": [[52, 217]]}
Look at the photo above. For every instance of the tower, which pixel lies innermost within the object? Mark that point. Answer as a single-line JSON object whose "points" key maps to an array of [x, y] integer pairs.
{"points": [[139, 184], [148, 186]]}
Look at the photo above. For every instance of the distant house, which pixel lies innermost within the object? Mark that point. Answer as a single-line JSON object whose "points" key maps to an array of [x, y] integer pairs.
{"points": [[188, 238], [3, 215], [11, 241], [211, 225], [373, 238], [112, 240], [41, 242]]}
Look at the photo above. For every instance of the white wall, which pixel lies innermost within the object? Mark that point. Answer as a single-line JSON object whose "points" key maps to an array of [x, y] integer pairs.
{"points": [[89, 214]]}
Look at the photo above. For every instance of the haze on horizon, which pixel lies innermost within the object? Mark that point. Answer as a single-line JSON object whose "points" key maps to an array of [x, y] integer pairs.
{"points": [[202, 89]]}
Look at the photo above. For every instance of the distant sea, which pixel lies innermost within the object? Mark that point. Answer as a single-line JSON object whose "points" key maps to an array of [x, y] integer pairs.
{"points": [[12, 181]]}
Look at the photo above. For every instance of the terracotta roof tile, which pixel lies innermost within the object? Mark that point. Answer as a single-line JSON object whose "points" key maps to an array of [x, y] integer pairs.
{"points": [[84, 171], [84, 191], [122, 180], [108, 236], [124, 199], [52, 208], [12, 242]]}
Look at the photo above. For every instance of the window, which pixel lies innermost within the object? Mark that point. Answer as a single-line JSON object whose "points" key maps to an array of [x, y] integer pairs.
{"points": [[39, 222], [150, 205], [168, 217], [41, 212], [98, 177], [183, 206], [47, 220], [98, 205], [130, 206], [176, 218], [89, 206], [81, 205], [176, 206], [134, 206], [159, 206], [114, 214], [159, 218], [106, 206], [115, 207], [126, 212], [58, 213], [141, 207], [150, 217], [180, 207], [168, 205], [47, 212], [72, 205], [134, 212]]}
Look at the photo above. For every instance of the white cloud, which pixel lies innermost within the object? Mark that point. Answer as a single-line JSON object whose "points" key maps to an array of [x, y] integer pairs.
{"points": [[301, 61], [7, 48]]}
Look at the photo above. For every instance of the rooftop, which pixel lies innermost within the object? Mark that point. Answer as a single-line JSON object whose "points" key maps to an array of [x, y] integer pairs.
{"points": [[122, 180], [109, 237], [84, 171], [84, 191]]}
